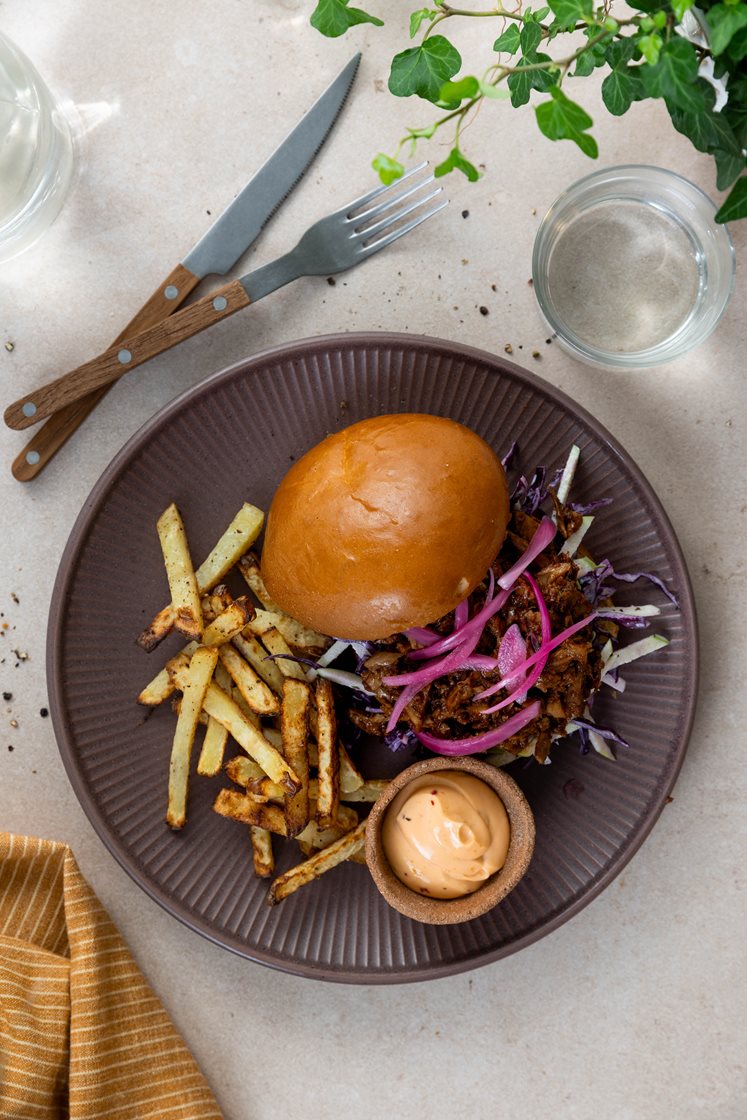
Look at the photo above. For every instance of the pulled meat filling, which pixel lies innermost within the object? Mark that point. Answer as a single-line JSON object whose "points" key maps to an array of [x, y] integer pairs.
{"points": [[448, 706]]}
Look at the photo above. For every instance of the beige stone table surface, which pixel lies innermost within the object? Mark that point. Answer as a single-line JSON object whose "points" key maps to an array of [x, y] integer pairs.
{"points": [[633, 1010]]}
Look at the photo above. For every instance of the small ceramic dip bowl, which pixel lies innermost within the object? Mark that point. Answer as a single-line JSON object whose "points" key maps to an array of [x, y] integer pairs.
{"points": [[448, 911]]}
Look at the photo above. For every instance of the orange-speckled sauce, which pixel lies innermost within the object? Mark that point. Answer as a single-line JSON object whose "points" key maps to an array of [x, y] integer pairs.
{"points": [[445, 834]]}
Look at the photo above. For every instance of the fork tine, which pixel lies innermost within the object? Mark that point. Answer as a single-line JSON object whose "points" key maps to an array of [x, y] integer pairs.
{"points": [[367, 233], [388, 203], [373, 247], [353, 206]]}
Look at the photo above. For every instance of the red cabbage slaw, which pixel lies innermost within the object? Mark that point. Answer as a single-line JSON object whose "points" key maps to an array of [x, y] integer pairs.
{"points": [[519, 670]]}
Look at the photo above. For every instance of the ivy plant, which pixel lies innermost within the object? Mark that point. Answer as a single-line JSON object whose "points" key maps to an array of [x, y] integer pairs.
{"points": [[641, 48]]}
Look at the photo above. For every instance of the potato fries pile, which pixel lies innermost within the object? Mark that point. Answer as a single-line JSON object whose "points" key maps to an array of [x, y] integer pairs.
{"points": [[239, 676]]}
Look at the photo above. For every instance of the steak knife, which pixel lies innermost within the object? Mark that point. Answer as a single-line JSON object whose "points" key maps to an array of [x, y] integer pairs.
{"points": [[215, 253]]}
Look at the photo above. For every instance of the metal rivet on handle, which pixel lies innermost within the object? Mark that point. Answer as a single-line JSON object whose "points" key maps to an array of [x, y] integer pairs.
{"points": [[28, 409], [171, 292], [32, 458], [124, 356], [220, 303]]}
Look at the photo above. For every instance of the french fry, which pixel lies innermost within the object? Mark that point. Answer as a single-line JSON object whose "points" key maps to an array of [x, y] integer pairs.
{"points": [[252, 777], [185, 596], [210, 761], [157, 629], [246, 809], [215, 602], [350, 777], [276, 644], [293, 631], [294, 730], [238, 537], [198, 677], [157, 690], [227, 712], [176, 706], [313, 837], [257, 694], [260, 661], [262, 854], [370, 791], [322, 861], [273, 736], [329, 756], [229, 623]]}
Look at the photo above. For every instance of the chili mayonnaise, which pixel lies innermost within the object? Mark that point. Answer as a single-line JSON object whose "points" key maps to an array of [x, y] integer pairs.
{"points": [[444, 834]]}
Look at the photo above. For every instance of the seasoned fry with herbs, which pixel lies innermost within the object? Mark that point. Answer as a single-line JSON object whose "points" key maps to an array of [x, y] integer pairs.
{"points": [[247, 809], [229, 623], [324, 860], [329, 757], [262, 854], [185, 595], [238, 537], [294, 729], [198, 677], [257, 694], [227, 712]]}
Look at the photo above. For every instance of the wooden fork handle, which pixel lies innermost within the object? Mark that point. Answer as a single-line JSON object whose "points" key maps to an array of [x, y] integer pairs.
{"points": [[53, 435], [131, 352]]}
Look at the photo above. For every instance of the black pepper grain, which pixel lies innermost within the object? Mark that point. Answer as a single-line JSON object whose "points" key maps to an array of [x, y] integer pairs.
{"points": [[7, 696], [44, 712], [484, 310]]}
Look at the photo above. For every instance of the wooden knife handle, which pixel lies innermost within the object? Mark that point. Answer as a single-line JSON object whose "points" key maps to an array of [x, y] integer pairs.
{"points": [[119, 359], [53, 435]]}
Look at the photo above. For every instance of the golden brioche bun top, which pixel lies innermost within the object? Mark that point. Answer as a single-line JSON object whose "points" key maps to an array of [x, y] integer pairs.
{"points": [[385, 525]]}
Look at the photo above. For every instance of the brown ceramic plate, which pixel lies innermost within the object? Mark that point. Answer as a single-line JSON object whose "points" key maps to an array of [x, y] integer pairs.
{"points": [[231, 439]]}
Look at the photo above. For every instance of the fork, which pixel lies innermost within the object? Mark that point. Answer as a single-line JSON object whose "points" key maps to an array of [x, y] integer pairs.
{"points": [[333, 244]]}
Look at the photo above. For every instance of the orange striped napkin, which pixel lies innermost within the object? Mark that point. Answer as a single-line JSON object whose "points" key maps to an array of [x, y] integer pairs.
{"points": [[82, 1034]]}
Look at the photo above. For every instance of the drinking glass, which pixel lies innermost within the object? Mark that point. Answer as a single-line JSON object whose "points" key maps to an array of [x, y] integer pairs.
{"points": [[36, 153], [630, 269]]}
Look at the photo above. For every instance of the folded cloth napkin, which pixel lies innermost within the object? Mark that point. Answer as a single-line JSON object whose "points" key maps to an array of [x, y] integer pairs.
{"points": [[82, 1034]]}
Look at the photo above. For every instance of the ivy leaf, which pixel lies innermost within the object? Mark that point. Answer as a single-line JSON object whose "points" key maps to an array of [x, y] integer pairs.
{"points": [[648, 5], [728, 168], [388, 169], [736, 204], [680, 7], [707, 131], [334, 17], [724, 20], [562, 119], [650, 47], [465, 88], [509, 41], [530, 37], [455, 161], [738, 45], [570, 12], [594, 55], [417, 18], [620, 51], [522, 82], [620, 89], [424, 69], [675, 76]]}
